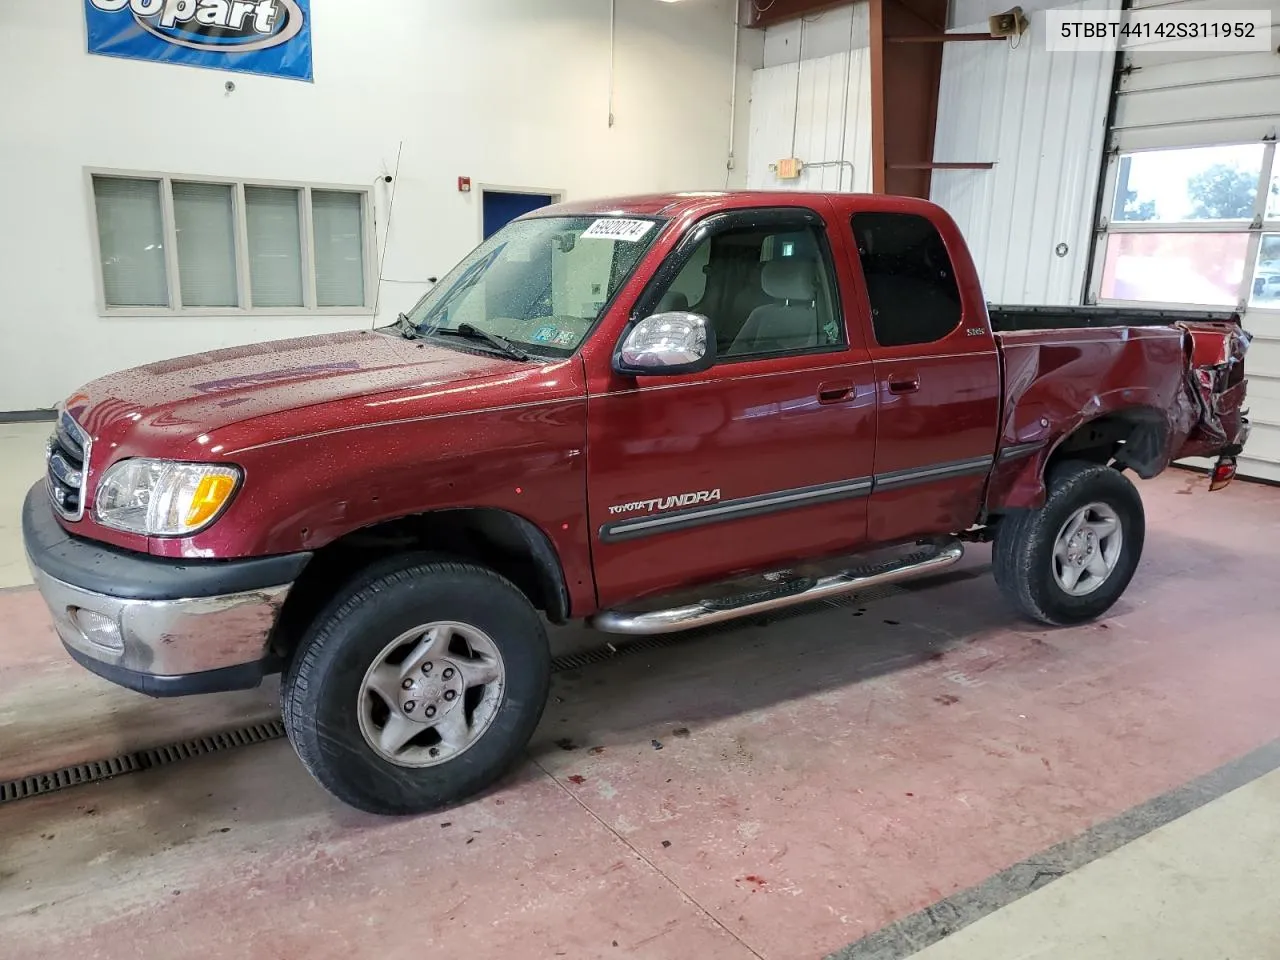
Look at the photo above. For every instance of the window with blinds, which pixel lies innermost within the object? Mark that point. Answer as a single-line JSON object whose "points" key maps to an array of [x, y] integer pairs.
{"points": [[339, 241], [131, 235], [273, 229], [203, 214], [168, 244]]}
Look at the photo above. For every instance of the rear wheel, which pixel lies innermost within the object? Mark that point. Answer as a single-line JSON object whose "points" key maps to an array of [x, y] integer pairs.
{"points": [[1070, 560], [418, 687]]}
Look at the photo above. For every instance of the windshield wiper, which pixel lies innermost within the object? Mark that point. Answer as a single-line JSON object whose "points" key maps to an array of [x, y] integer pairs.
{"points": [[472, 333], [408, 329]]}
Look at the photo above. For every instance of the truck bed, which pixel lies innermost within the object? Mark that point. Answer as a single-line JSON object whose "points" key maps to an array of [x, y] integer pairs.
{"points": [[1014, 318]]}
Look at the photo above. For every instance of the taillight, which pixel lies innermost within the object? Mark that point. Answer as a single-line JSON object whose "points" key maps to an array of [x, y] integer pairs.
{"points": [[1224, 471]]}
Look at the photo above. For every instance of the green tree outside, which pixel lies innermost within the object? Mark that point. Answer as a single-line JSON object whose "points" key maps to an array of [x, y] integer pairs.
{"points": [[1222, 192]]}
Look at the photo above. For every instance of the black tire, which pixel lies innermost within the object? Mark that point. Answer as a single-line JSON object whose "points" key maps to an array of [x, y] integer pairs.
{"points": [[1022, 558], [321, 688]]}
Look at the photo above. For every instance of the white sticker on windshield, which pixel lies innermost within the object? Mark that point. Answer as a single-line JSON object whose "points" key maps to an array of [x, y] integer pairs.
{"points": [[614, 228]]}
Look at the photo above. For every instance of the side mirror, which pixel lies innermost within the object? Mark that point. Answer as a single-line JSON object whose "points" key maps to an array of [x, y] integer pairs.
{"points": [[667, 344]]}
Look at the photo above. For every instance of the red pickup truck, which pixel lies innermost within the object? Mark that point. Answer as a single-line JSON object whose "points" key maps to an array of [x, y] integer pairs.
{"points": [[653, 413]]}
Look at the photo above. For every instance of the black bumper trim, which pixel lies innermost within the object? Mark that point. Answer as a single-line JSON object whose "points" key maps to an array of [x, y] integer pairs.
{"points": [[127, 575], [243, 676]]}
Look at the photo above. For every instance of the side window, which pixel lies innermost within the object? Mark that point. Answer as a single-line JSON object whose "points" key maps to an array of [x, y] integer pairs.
{"points": [[910, 280], [766, 290]]}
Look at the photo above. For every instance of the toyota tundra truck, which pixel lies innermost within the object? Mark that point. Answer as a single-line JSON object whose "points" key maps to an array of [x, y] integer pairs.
{"points": [[650, 413]]}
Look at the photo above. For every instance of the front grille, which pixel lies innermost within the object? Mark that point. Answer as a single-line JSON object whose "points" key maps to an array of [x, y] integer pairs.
{"points": [[67, 460]]}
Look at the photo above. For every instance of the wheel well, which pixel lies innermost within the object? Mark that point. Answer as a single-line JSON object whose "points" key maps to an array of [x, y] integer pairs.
{"points": [[1136, 438], [501, 541]]}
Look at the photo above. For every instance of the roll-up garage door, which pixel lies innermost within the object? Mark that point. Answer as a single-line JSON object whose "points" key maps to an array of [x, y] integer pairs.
{"points": [[1190, 212]]}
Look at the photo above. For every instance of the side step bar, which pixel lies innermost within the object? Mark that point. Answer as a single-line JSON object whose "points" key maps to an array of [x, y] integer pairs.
{"points": [[705, 612]]}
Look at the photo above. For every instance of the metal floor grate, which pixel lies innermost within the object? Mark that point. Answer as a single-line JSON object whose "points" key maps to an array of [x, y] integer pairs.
{"points": [[41, 783]]}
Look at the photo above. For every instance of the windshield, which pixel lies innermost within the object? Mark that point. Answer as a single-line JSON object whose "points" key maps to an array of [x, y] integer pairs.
{"points": [[540, 283]]}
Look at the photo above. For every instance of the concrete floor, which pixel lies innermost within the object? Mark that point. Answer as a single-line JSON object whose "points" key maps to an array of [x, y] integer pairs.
{"points": [[21, 464], [858, 781]]}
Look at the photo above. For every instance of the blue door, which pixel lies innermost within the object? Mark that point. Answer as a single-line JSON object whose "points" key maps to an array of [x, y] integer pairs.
{"points": [[501, 208]]}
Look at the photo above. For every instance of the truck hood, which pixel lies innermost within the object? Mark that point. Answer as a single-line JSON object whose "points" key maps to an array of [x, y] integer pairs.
{"points": [[201, 393]]}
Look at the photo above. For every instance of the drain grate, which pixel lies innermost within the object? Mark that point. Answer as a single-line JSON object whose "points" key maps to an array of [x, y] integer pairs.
{"points": [[575, 661], [874, 593], [41, 783]]}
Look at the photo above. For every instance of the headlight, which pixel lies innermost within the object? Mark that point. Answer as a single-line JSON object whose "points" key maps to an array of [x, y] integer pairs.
{"points": [[163, 498]]}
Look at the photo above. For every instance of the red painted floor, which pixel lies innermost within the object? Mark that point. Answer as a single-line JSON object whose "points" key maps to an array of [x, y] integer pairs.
{"points": [[817, 778]]}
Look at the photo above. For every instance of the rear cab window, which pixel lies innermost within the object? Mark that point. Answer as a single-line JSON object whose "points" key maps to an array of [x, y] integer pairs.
{"points": [[909, 277]]}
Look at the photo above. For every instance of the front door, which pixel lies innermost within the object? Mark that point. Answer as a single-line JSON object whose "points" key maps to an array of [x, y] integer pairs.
{"points": [[763, 460]]}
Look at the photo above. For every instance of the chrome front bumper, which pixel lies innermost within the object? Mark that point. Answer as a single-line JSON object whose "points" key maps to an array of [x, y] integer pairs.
{"points": [[159, 626], [164, 638]]}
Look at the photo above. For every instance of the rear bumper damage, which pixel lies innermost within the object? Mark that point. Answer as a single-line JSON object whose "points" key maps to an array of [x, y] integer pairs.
{"points": [[1213, 410]]}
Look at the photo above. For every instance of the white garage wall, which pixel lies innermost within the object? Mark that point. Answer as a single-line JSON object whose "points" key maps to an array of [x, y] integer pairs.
{"points": [[1041, 118], [817, 108], [825, 33], [504, 91]]}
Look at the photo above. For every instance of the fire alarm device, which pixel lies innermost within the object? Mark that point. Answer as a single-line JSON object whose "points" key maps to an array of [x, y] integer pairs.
{"points": [[789, 168], [464, 184]]}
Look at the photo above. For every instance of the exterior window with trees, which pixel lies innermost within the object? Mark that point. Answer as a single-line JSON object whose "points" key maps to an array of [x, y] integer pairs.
{"points": [[1198, 225]]}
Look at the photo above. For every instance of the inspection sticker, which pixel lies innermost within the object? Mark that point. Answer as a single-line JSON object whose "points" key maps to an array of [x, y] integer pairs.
{"points": [[614, 228]]}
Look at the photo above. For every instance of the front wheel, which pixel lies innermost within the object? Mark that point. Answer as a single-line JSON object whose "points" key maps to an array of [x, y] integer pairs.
{"points": [[1070, 560], [418, 687]]}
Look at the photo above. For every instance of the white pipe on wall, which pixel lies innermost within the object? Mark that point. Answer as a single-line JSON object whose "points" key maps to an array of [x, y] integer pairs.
{"points": [[613, 45], [733, 85]]}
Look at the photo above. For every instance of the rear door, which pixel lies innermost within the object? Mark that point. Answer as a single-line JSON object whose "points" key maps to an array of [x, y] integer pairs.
{"points": [[937, 376], [762, 460]]}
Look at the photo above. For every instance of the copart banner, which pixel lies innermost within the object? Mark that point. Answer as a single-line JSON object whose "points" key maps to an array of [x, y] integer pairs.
{"points": [[270, 37]]}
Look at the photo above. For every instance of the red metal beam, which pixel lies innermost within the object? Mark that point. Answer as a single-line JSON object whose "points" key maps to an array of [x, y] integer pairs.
{"points": [[904, 84], [904, 93], [944, 38]]}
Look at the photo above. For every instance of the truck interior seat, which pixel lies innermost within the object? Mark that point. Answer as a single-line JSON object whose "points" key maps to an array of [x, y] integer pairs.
{"points": [[750, 294], [673, 300], [791, 324]]}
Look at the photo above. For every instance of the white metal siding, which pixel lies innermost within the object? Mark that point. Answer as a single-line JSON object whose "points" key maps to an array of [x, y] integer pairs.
{"points": [[1192, 99], [816, 115], [1199, 99], [832, 31], [1041, 118]]}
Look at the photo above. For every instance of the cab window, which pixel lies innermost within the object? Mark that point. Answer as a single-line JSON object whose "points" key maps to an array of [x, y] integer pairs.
{"points": [[767, 291], [909, 276]]}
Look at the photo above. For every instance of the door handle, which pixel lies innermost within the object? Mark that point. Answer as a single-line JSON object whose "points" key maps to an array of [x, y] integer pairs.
{"points": [[835, 392], [904, 383]]}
